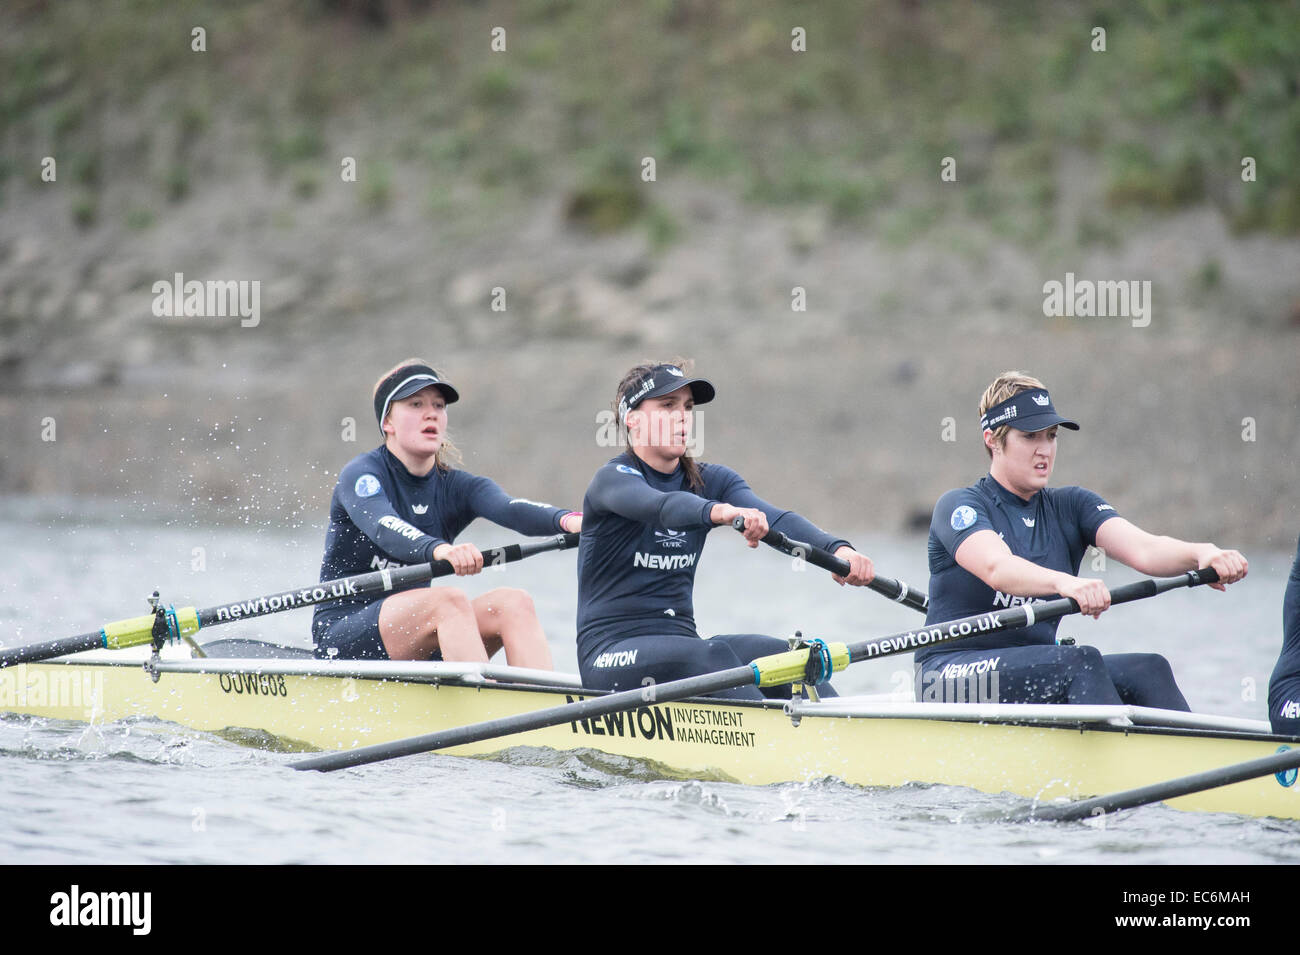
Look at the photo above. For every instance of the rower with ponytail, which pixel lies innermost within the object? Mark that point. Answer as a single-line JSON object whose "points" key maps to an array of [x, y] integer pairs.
{"points": [[645, 518]]}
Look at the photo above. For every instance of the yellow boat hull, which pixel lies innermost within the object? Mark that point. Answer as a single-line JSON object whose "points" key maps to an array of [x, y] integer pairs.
{"points": [[748, 743]]}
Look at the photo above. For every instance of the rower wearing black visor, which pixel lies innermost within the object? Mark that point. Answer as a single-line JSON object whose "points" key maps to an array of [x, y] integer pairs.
{"points": [[1010, 538], [646, 515], [404, 503]]}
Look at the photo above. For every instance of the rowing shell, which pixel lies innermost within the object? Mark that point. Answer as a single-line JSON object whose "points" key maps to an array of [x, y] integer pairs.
{"points": [[1039, 752]]}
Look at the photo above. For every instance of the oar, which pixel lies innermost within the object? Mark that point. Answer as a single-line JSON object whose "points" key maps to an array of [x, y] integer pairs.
{"points": [[1159, 792], [893, 589], [774, 670], [168, 623]]}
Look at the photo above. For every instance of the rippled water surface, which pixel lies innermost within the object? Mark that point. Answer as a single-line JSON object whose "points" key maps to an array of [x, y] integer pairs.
{"points": [[147, 791]]}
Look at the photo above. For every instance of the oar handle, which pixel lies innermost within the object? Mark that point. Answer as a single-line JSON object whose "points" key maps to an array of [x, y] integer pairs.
{"points": [[1149, 588], [528, 548], [893, 589]]}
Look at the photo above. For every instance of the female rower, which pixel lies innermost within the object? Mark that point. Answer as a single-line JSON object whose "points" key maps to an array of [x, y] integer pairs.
{"points": [[647, 513], [1010, 537], [404, 503], [1284, 684]]}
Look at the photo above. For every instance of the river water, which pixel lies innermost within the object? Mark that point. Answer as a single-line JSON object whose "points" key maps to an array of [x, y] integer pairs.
{"points": [[163, 794]]}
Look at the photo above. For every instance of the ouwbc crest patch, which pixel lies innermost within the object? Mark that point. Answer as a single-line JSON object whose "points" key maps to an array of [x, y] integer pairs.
{"points": [[962, 518], [367, 486]]}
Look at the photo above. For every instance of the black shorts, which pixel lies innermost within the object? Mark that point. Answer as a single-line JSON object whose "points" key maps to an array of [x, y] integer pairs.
{"points": [[1048, 674], [1284, 706], [628, 663]]}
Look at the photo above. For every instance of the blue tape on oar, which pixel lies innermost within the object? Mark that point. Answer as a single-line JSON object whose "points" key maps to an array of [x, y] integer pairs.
{"points": [[1286, 777], [820, 666], [173, 625]]}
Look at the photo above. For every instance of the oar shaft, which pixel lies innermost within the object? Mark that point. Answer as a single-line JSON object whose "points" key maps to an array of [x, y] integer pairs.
{"points": [[538, 719], [1159, 792], [1023, 615], [364, 585], [138, 631], [32, 652], [887, 586]]}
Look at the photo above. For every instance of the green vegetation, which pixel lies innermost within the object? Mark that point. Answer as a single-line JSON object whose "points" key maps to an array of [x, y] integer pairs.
{"points": [[711, 89], [306, 182], [177, 184], [85, 210], [376, 187], [138, 219], [609, 195]]}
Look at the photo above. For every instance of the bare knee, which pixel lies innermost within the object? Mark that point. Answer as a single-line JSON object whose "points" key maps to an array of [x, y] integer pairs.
{"points": [[447, 601], [414, 623], [438, 606], [506, 617], [506, 603]]}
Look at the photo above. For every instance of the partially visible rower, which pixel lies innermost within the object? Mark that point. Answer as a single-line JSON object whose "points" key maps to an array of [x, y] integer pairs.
{"points": [[1010, 538], [1284, 684]]}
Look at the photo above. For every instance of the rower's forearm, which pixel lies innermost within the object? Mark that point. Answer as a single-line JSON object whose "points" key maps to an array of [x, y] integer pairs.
{"points": [[1168, 556], [800, 528], [1022, 578]]}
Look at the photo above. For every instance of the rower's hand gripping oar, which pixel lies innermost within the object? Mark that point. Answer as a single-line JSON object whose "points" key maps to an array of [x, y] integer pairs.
{"points": [[774, 670], [893, 589], [168, 623]]}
